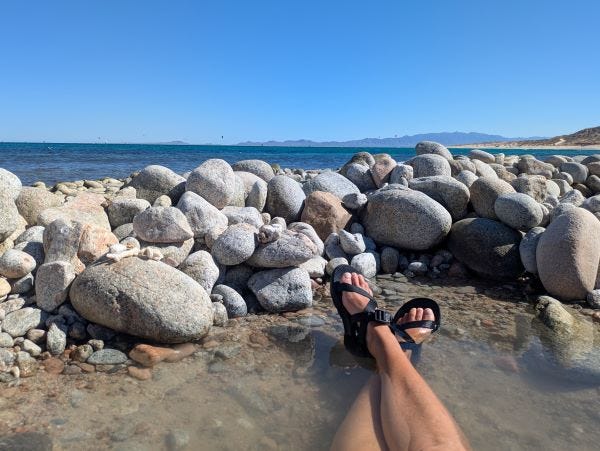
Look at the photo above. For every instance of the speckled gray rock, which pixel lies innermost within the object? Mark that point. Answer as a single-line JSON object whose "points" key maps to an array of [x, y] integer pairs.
{"points": [[15, 264], [467, 178], [484, 192], [56, 340], [10, 184], [352, 243], [123, 231], [561, 209], [333, 248], [219, 314], [592, 203], [535, 186], [234, 303], [289, 250], [427, 165], [22, 285], [285, 198], [593, 183], [248, 215], [487, 247], [401, 171], [450, 193], [201, 215], [360, 175], [255, 190], [52, 284], [32, 201], [527, 249], [122, 210], [129, 297], [215, 181], [154, 181], [366, 263], [17, 323], [483, 169], [201, 267], [6, 341], [331, 182], [282, 290], [308, 234], [257, 167], [518, 210], [478, 154], [593, 299], [334, 263], [568, 253], [32, 234], [532, 166], [406, 219], [162, 225], [315, 267], [573, 197], [107, 357], [578, 171], [163, 201], [431, 147], [9, 216], [389, 260], [355, 201], [235, 245]]}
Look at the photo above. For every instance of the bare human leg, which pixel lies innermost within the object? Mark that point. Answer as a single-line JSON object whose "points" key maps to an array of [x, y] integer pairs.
{"points": [[410, 415]]}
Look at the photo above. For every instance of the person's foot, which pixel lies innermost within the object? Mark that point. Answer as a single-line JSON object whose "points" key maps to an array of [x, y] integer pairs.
{"points": [[418, 334]]}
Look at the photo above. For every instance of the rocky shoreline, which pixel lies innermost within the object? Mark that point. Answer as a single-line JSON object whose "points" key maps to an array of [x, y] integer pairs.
{"points": [[103, 275]]}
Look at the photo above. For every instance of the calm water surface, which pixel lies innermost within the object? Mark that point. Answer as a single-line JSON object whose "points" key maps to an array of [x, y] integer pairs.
{"points": [[50, 162]]}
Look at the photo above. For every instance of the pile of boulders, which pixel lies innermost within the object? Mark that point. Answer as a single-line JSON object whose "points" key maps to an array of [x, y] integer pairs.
{"points": [[164, 257]]}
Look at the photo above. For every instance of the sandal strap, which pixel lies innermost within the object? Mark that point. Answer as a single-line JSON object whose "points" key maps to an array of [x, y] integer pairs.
{"points": [[341, 287], [426, 323]]}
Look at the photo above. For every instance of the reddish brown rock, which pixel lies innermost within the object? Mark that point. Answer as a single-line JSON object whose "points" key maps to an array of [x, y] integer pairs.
{"points": [[181, 351], [150, 355], [54, 365], [86, 208], [142, 374], [381, 170], [94, 243], [324, 211]]}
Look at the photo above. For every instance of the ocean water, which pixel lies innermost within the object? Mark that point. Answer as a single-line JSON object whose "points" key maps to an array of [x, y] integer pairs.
{"points": [[54, 162]]}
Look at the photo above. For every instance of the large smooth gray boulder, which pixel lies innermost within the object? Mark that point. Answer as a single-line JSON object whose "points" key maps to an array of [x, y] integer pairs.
{"points": [[9, 216], [528, 249], [32, 201], [235, 245], [10, 184], [482, 155], [259, 168], [144, 298], [406, 219], [162, 225], [431, 147], [201, 267], [122, 210], [578, 171], [427, 165], [52, 283], [518, 210], [282, 290], [360, 175], [154, 181], [487, 247], [484, 192], [201, 215], [331, 182], [285, 198], [215, 181], [450, 193], [289, 250], [568, 254]]}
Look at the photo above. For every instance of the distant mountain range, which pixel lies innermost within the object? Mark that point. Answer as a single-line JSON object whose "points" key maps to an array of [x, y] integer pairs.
{"points": [[446, 138]]}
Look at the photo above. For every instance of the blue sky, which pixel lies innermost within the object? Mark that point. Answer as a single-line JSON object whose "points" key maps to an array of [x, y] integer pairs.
{"points": [[147, 71]]}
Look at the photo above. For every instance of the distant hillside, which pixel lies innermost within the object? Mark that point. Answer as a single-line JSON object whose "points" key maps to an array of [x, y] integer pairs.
{"points": [[585, 137], [446, 138]]}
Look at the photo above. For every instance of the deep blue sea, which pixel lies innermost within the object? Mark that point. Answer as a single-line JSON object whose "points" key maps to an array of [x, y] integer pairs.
{"points": [[53, 162]]}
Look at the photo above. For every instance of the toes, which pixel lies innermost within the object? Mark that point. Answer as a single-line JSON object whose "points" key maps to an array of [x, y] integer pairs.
{"points": [[346, 278], [412, 314], [428, 314], [364, 284], [355, 279], [419, 314], [403, 319]]}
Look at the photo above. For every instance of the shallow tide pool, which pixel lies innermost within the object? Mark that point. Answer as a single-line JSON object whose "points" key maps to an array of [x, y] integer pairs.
{"points": [[285, 383]]}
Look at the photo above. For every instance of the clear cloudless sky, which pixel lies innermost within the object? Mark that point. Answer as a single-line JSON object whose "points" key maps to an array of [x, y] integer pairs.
{"points": [[148, 71]]}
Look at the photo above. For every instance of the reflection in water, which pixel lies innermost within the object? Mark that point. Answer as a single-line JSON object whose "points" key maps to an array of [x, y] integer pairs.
{"points": [[267, 382]]}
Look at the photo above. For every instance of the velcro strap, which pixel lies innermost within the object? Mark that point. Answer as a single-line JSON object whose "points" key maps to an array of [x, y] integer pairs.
{"points": [[428, 324]]}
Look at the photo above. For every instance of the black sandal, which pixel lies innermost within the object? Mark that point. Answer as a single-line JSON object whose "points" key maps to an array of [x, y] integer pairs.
{"points": [[355, 326], [400, 329]]}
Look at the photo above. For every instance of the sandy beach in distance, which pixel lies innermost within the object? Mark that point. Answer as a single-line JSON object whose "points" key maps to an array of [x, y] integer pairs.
{"points": [[511, 146]]}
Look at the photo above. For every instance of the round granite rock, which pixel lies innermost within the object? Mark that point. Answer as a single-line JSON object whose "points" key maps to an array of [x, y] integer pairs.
{"points": [[484, 192], [201, 267], [202, 217], [285, 198], [528, 249], [10, 184], [235, 245], [154, 181], [431, 147], [427, 165], [406, 219], [487, 247], [234, 303], [282, 290], [331, 182], [450, 193], [162, 225], [568, 254], [144, 298], [215, 181], [518, 210], [259, 168]]}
